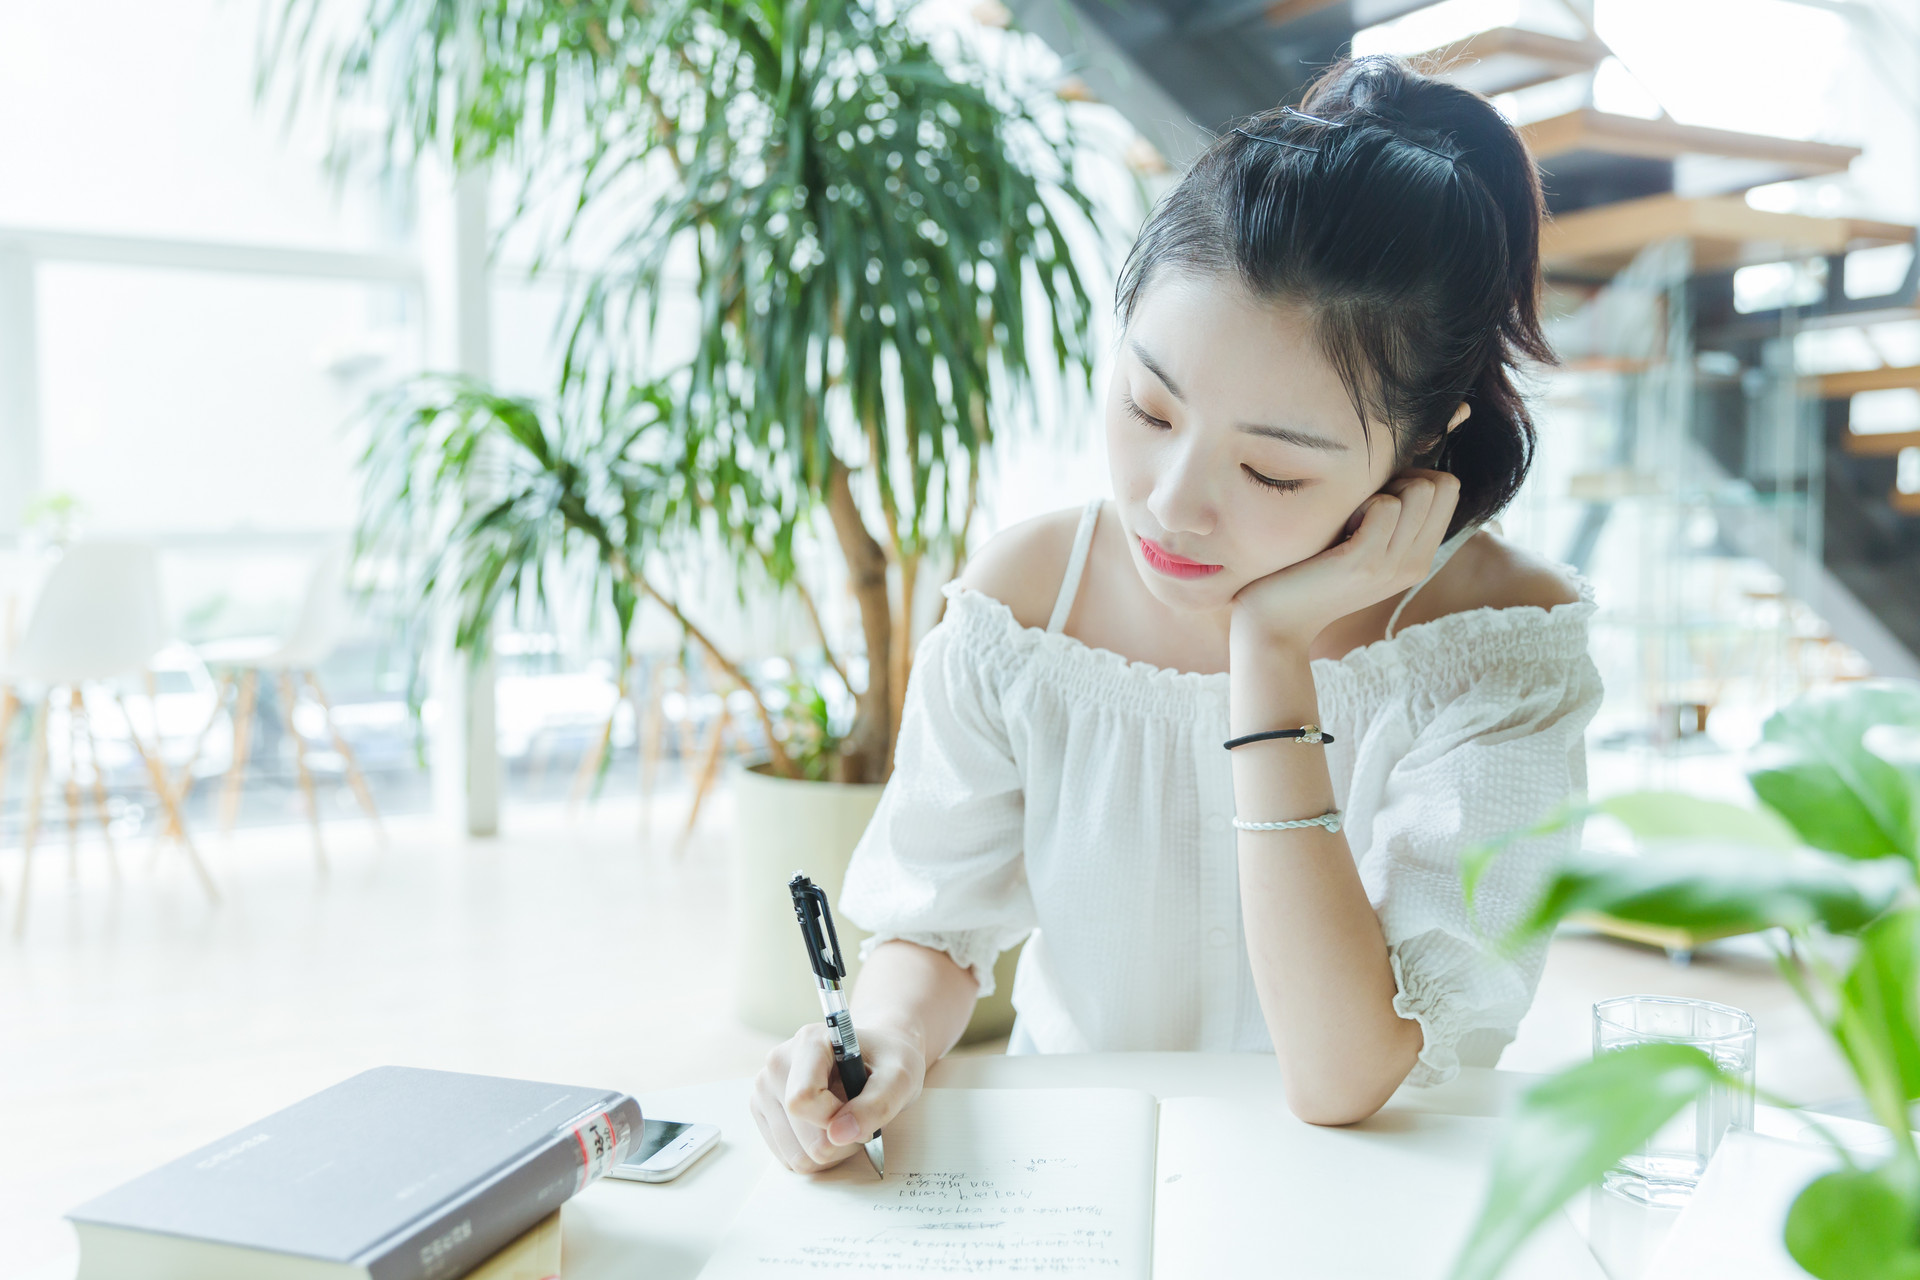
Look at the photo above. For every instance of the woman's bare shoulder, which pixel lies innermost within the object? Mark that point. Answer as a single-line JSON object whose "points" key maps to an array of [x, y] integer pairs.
{"points": [[1022, 565], [1492, 573]]}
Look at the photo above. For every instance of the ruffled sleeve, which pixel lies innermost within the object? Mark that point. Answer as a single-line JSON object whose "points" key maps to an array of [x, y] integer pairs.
{"points": [[1496, 757], [941, 863]]}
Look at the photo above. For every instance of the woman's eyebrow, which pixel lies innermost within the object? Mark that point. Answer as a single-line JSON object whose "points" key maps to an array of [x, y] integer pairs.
{"points": [[1158, 372], [1292, 435], [1287, 435]]}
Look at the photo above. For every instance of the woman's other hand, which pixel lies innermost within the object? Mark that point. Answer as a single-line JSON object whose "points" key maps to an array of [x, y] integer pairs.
{"points": [[802, 1109], [1387, 546]]}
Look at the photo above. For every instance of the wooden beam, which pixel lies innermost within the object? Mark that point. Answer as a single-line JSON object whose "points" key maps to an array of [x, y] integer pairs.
{"points": [[1725, 231], [1589, 130], [1835, 386], [1879, 444], [1504, 59], [1281, 12]]}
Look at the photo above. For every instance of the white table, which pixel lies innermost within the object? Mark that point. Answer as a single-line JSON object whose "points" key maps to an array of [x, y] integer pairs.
{"points": [[665, 1231]]}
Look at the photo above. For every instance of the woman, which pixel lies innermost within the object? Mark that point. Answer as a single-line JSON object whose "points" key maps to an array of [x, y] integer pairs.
{"points": [[1311, 416]]}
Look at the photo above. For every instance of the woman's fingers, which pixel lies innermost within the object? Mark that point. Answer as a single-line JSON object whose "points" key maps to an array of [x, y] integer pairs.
{"points": [[1378, 516], [888, 1090], [798, 1104], [780, 1137], [1416, 496], [1428, 499], [770, 1114], [809, 1094]]}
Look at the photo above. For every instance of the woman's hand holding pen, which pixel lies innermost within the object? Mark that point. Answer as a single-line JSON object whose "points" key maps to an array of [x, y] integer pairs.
{"points": [[1387, 546], [801, 1107]]}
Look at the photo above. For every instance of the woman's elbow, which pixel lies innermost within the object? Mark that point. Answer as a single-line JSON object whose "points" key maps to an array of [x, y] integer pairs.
{"points": [[1332, 1109], [1348, 1095]]}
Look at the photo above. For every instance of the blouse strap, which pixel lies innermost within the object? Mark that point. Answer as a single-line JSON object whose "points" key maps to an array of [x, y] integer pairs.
{"points": [[1070, 585], [1440, 558]]}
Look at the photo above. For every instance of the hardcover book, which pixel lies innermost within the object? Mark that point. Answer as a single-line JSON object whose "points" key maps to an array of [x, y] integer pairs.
{"points": [[395, 1174]]}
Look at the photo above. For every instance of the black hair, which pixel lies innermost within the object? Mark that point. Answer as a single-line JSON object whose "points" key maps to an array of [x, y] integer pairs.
{"points": [[1403, 213]]}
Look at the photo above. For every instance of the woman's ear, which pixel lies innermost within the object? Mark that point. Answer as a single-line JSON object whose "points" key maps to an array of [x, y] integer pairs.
{"points": [[1459, 415]]}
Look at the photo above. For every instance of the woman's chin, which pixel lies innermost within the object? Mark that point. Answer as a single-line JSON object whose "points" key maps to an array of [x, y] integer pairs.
{"points": [[1207, 594]]}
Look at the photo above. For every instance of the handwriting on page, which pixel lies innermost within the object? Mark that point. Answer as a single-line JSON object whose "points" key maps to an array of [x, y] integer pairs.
{"points": [[1015, 1217]]}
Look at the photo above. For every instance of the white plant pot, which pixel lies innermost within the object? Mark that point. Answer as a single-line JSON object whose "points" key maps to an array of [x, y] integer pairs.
{"points": [[782, 826]]}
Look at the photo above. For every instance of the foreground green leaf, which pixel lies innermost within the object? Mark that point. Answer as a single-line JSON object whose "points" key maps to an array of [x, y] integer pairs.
{"points": [[1569, 1131], [1816, 770], [1718, 889], [1859, 1224], [1648, 815], [1675, 815], [1879, 1020]]}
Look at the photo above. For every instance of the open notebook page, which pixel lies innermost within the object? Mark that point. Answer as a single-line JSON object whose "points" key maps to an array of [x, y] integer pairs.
{"points": [[979, 1181], [1734, 1225], [1245, 1189]]}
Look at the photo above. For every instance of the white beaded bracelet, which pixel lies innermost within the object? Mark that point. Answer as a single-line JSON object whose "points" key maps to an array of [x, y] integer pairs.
{"points": [[1331, 821]]}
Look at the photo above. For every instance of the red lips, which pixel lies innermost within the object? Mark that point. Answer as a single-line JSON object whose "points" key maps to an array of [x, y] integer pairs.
{"points": [[1172, 565]]}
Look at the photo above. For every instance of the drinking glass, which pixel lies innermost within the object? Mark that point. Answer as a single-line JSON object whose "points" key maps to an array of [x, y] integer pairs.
{"points": [[1638, 1200], [1666, 1168]]}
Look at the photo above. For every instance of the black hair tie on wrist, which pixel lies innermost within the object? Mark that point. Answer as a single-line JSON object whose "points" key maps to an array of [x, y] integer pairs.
{"points": [[1309, 735]]}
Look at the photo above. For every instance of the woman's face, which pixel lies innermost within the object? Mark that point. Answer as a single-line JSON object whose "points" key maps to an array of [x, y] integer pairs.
{"points": [[1235, 449]]}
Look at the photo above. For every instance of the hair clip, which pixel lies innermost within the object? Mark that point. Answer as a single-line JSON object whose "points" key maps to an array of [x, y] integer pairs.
{"points": [[1429, 150], [1332, 124], [1341, 124], [1273, 141]]}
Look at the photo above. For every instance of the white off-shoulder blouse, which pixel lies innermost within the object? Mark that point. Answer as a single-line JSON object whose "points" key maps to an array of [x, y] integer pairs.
{"points": [[1048, 790]]}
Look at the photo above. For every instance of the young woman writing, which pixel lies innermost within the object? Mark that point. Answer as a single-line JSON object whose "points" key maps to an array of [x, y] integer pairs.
{"points": [[1311, 415]]}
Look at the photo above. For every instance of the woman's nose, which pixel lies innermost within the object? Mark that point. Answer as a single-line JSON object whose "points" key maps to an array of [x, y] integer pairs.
{"points": [[1182, 499]]}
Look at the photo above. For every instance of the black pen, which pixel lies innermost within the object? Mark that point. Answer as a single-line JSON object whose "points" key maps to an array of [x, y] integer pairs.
{"points": [[823, 953]]}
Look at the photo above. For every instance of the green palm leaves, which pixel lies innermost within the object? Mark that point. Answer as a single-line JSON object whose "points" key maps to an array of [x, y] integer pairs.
{"points": [[877, 242]]}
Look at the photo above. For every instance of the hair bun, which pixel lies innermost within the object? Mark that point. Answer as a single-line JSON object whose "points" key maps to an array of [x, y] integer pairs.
{"points": [[1437, 114]]}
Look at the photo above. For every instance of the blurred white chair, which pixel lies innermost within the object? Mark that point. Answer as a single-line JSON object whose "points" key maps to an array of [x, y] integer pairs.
{"points": [[98, 618], [293, 658]]}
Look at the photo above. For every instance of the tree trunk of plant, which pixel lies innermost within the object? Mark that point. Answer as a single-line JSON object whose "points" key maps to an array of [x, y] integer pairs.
{"points": [[901, 656], [869, 744]]}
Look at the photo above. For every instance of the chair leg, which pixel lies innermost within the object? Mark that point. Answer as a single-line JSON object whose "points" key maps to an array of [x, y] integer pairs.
{"points": [[242, 741], [187, 780], [709, 769], [100, 805], [288, 693], [355, 779], [75, 710], [37, 781], [175, 825], [589, 770], [652, 739], [687, 734]]}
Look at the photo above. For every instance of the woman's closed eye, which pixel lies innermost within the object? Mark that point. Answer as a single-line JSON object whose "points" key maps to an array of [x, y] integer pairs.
{"points": [[1161, 424], [1268, 482], [1141, 415]]}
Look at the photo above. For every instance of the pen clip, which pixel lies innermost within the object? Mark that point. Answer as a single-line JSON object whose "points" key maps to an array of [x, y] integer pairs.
{"points": [[810, 907]]}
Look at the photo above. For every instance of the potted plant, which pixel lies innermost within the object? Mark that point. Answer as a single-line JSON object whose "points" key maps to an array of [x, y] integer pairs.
{"points": [[1826, 862], [881, 248]]}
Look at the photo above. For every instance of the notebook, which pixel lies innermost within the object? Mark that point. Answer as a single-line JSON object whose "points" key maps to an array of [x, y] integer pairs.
{"points": [[1114, 1183]]}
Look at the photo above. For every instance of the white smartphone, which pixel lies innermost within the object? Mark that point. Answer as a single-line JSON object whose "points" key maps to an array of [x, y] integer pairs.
{"points": [[665, 1150]]}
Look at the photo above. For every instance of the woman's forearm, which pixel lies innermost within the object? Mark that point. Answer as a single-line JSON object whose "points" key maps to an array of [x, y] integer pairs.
{"points": [[916, 992], [1319, 958]]}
